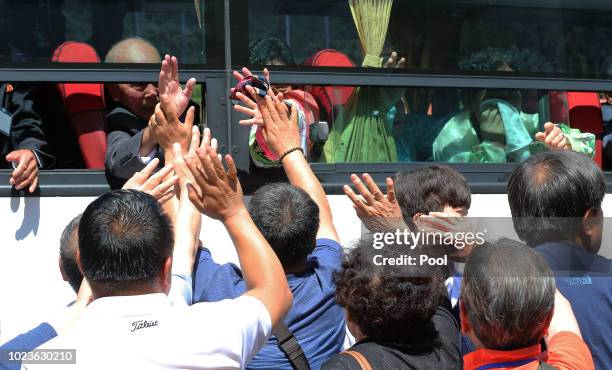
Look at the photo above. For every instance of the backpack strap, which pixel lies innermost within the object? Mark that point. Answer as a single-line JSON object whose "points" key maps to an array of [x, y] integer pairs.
{"points": [[360, 358], [290, 347]]}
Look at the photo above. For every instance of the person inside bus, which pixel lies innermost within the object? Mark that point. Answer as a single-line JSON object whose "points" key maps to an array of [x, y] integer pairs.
{"points": [[271, 51], [399, 314], [23, 141], [556, 204], [492, 125], [510, 316], [296, 220], [131, 142]]}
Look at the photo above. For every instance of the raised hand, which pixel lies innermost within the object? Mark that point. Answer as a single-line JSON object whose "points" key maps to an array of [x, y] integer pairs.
{"points": [[169, 85], [453, 227], [220, 194], [377, 211], [245, 72], [153, 185], [279, 131], [250, 107], [166, 128], [26, 173], [393, 62], [553, 137]]}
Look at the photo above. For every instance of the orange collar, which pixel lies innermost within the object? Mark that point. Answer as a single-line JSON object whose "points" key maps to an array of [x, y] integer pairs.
{"points": [[483, 357]]}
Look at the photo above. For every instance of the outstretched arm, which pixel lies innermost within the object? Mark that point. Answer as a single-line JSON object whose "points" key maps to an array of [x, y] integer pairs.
{"points": [[220, 196], [281, 134], [377, 211]]}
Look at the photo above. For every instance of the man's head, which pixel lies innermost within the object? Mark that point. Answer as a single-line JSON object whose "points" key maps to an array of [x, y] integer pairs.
{"points": [[507, 296], [125, 244], [69, 243], [139, 98], [388, 302], [435, 188], [289, 220], [556, 196]]}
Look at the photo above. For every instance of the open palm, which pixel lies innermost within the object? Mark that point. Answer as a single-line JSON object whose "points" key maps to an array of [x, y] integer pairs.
{"points": [[169, 84]]}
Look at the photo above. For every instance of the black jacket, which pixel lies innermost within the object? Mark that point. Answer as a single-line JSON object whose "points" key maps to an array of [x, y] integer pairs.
{"points": [[123, 136], [27, 130], [436, 348]]}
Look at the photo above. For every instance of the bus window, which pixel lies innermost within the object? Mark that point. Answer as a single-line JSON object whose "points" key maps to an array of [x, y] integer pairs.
{"points": [[32, 30], [452, 125], [565, 39], [75, 120]]}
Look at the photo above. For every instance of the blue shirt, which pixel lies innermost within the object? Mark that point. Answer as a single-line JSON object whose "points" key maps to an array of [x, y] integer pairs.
{"points": [[584, 279], [25, 343], [315, 319]]}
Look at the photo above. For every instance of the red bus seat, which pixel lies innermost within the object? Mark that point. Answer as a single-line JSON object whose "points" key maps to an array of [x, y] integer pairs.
{"points": [[584, 110], [330, 97], [84, 103], [585, 114]]}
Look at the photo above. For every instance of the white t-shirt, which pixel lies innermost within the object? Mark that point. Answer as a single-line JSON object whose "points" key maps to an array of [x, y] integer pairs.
{"points": [[147, 332]]}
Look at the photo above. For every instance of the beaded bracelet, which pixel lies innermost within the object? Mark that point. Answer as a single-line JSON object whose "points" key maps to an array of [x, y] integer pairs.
{"points": [[289, 151]]}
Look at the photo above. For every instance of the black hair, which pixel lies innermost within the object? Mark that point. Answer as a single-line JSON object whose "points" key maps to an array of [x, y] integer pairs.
{"points": [[69, 243], [429, 189], [508, 291], [389, 302], [124, 240], [550, 192], [289, 220], [266, 50]]}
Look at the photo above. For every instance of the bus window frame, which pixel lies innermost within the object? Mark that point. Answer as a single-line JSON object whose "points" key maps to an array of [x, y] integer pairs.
{"points": [[223, 121]]}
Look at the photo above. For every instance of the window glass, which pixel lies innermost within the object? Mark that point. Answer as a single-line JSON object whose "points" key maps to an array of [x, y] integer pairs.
{"points": [[560, 38], [32, 30], [74, 121], [450, 125]]}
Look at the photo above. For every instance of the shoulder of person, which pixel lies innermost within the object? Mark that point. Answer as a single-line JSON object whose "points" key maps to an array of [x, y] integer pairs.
{"points": [[121, 112], [342, 361], [330, 244], [327, 252], [120, 118]]}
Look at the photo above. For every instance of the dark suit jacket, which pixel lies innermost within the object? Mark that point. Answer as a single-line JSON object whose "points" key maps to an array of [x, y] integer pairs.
{"points": [[124, 134], [27, 130]]}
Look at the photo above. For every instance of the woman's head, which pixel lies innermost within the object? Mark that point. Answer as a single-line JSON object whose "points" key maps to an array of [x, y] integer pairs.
{"points": [[389, 301]]}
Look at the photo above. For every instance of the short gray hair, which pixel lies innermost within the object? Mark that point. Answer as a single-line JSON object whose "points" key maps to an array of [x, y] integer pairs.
{"points": [[508, 291]]}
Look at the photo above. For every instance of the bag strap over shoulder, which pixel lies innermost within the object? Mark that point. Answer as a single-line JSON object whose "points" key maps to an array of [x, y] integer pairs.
{"points": [[290, 347], [361, 360]]}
